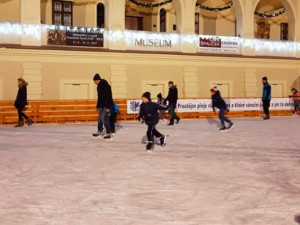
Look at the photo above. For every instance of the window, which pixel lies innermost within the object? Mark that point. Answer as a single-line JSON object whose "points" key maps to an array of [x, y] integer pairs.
{"points": [[62, 13], [284, 31], [197, 23], [163, 20], [100, 16], [134, 23]]}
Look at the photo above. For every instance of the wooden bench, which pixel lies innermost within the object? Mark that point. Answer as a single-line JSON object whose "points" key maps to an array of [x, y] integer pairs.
{"points": [[62, 111]]}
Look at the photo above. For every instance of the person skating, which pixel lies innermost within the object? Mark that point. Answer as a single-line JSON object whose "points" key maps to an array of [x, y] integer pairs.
{"points": [[161, 101], [104, 104], [172, 100], [149, 113], [218, 102], [296, 99], [21, 102], [266, 97], [114, 111]]}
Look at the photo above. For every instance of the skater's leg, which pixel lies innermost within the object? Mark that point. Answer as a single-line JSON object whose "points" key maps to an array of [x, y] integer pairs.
{"points": [[150, 132], [112, 120], [172, 113], [266, 106], [156, 133], [105, 120], [100, 122], [20, 109], [221, 116]]}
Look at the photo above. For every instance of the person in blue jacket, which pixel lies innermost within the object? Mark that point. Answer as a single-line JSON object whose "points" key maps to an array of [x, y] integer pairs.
{"points": [[114, 111], [266, 97], [149, 113], [218, 102]]}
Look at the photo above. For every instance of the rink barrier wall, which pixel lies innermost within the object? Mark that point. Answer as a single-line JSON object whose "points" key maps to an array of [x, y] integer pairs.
{"points": [[64, 111]]}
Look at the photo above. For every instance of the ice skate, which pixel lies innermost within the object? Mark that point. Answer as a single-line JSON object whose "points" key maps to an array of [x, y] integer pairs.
{"points": [[223, 129], [99, 133], [20, 124], [163, 140], [177, 121], [231, 125], [149, 146], [108, 137], [266, 118], [29, 121]]}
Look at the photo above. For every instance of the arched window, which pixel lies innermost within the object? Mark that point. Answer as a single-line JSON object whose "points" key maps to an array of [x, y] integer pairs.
{"points": [[163, 20], [100, 15]]}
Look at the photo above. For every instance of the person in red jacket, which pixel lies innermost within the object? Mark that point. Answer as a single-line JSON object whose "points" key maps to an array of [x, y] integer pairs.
{"points": [[296, 99]]}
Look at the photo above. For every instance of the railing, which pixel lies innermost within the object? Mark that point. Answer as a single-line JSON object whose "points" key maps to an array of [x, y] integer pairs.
{"points": [[63, 111]]}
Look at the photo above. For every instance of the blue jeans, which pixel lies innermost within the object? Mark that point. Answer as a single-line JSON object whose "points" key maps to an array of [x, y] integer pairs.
{"points": [[103, 118], [172, 113], [222, 116]]}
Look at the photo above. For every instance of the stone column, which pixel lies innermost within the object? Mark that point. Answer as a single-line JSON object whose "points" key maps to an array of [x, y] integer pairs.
{"points": [[190, 80], [115, 22], [33, 75], [118, 78], [250, 85], [31, 14]]}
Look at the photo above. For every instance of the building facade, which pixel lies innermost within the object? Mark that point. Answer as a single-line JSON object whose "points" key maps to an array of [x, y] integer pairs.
{"points": [[57, 46]]}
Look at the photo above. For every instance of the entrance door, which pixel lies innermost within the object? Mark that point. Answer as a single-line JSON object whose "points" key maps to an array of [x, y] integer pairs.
{"points": [[134, 23], [224, 89], [76, 91], [277, 90], [154, 89]]}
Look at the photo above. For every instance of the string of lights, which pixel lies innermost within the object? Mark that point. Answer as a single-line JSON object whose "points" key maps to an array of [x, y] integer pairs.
{"points": [[219, 9], [264, 15]]}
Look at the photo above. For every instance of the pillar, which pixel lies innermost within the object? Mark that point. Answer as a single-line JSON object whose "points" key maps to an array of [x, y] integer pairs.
{"points": [[31, 14], [33, 75], [118, 78], [250, 85], [190, 80], [115, 23]]}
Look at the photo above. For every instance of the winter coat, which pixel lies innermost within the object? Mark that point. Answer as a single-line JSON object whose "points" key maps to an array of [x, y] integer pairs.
{"points": [[104, 95], [218, 101], [149, 112], [296, 96], [21, 100], [266, 92], [172, 96], [114, 109]]}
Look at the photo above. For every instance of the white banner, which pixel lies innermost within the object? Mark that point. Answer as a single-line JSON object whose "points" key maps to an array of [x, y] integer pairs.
{"points": [[218, 44], [149, 41], [204, 105]]}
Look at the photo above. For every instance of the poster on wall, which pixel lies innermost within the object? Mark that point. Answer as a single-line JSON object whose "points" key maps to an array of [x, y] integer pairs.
{"points": [[205, 105], [219, 44], [73, 36]]}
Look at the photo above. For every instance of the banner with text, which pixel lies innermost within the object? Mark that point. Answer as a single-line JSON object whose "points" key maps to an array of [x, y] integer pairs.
{"points": [[219, 44], [204, 105]]}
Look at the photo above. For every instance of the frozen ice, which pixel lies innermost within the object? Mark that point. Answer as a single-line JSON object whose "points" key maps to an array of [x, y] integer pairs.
{"points": [[61, 175]]}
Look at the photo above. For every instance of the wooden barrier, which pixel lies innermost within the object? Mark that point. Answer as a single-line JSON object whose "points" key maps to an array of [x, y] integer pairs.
{"points": [[62, 111]]}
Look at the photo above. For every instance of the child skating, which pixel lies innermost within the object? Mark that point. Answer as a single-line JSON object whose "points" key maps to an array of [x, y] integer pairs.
{"points": [[218, 102], [149, 113]]}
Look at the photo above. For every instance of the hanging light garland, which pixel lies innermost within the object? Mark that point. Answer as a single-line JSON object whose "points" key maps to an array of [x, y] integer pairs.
{"points": [[200, 6], [229, 6], [150, 5], [264, 15]]}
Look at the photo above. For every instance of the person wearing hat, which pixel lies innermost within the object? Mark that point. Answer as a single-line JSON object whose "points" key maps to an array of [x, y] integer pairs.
{"points": [[161, 101], [149, 113], [296, 99], [172, 100], [218, 102], [266, 97], [104, 104]]}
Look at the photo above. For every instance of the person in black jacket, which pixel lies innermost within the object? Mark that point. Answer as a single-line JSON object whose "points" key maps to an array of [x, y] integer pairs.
{"points": [[104, 104], [21, 102], [149, 113], [172, 100], [218, 102]]}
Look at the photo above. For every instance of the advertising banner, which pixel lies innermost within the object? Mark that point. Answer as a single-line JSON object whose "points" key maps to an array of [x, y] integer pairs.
{"points": [[219, 44], [73, 36], [204, 105]]}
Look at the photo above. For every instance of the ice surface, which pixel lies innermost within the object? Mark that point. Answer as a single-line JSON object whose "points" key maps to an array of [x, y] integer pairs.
{"points": [[60, 174]]}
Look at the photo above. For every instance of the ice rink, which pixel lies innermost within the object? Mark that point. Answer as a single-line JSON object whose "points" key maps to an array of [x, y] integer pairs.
{"points": [[61, 175]]}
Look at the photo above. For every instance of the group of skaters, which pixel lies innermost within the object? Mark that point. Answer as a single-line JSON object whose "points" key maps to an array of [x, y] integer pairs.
{"points": [[150, 112]]}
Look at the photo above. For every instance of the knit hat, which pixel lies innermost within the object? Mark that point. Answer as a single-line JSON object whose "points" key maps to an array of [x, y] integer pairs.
{"points": [[213, 90], [147, 95], [159, 95], [97, 77]]}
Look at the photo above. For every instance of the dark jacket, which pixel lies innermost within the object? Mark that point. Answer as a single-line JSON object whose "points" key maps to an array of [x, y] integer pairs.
{"points": [[21, 100], [149, 112], [266, 92], [218, 101], [104, 95], [172, 96]]}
